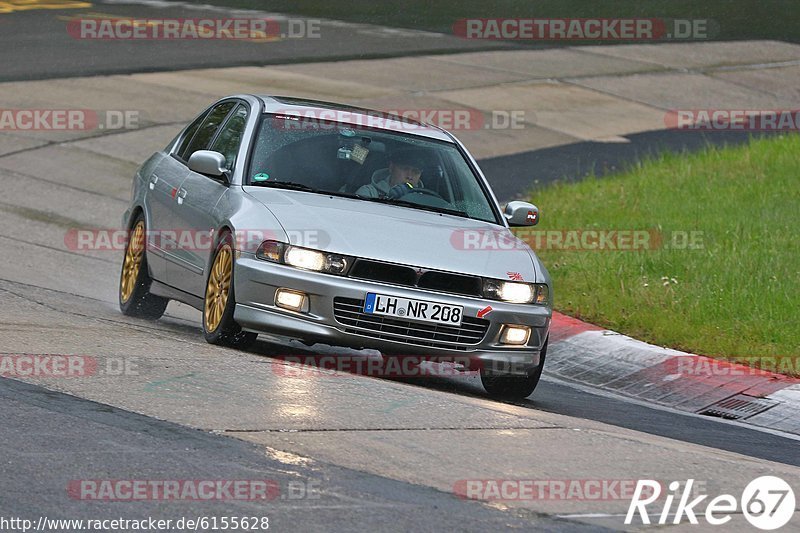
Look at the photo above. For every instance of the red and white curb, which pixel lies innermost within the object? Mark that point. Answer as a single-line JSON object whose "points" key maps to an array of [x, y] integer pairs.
{"points": [[584, 353]]}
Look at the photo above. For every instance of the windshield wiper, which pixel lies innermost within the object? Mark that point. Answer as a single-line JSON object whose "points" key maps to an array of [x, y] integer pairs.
{"points": [[291, 185], [294, 186], [406, 203]]}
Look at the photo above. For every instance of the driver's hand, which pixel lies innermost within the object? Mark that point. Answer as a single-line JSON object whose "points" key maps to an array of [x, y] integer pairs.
{"points": [[400, 190]]}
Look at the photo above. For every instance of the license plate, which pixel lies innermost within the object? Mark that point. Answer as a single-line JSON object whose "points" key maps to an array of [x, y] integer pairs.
{"points": [[419, 310]]}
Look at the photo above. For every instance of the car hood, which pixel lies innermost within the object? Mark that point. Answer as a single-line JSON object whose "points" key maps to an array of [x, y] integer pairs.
{"points": [[397, 234]]}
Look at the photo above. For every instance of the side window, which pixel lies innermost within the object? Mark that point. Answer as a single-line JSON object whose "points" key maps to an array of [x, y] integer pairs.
{"points": [[207, 128], [188, 135], [230, 136]]}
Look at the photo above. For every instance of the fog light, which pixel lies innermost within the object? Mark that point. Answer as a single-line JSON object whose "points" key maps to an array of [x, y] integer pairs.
{"points": [[515, 335], [289, 299]]}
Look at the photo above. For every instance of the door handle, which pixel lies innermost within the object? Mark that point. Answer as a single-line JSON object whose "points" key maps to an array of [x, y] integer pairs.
{"points": [[181, 196], [153, 181]]}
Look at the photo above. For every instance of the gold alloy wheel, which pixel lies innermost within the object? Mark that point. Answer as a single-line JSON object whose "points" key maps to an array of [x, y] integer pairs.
{"points": [[219, 284], [132, 263]]}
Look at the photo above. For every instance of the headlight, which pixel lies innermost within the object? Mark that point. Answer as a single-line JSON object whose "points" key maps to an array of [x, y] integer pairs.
{"points": [[304, 258], [518, 293]]}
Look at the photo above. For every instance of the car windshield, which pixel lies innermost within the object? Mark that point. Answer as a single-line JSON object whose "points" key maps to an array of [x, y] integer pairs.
{"points": [[366, 163]]}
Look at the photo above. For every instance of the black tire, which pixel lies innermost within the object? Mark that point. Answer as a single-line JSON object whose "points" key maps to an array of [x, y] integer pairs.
{"points": [[226, 332], [513, 387], [138, 302]]}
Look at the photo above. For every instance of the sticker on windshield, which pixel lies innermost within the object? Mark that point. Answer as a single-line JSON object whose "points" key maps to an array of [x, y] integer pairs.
{"points": [[359, 154]]}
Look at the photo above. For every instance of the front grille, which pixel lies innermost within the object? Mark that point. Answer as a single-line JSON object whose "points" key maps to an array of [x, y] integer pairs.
{"points": [[417, 277], [455, 283], [377, 271], [349, 313]]}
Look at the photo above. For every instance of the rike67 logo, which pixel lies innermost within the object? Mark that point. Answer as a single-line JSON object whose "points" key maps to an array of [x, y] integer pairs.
{"points": [[767, 503]]}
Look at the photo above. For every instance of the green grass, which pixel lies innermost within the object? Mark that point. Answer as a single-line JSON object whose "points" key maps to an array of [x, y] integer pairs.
{"points": [[737, 19], [737, 296]]}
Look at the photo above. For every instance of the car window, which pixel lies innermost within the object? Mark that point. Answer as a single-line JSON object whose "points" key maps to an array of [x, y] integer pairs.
{"points": [[230, 136], [207, 129], [189, 134], [367, 162]]}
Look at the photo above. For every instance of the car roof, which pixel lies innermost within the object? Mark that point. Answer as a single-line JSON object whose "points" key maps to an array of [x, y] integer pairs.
{"points": [[356, 116]]}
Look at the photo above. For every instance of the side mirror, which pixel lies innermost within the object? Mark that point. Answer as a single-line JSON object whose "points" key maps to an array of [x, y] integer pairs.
{"points": [[208, 163], [521, 214]]}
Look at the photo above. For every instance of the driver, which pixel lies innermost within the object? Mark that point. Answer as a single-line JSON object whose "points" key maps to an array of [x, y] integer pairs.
{"points": [[402, 176]]}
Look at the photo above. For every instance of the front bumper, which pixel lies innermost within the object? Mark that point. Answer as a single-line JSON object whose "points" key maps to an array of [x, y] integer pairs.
{"points": [[257, 280]]}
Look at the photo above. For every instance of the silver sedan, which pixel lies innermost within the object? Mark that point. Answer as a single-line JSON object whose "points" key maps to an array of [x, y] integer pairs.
{"points": [[339, 225]]}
